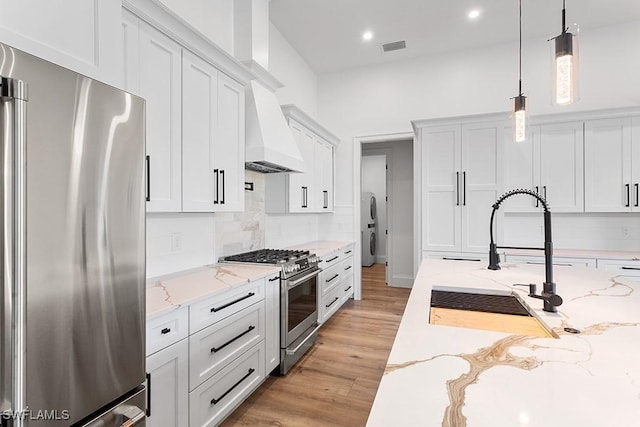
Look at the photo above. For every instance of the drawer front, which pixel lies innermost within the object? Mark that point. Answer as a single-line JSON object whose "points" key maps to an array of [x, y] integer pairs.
{"points": [[347, 266], [214, 347], [217, 397], [223, 305], [330, 303], [557, 261], [347, 288], [330, 278], [348, 251], [166, 330], [330, 260], [623, 268]]}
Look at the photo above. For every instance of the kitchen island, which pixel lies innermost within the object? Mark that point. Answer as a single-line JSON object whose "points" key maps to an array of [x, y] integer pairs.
{"points": [[442, 375]]}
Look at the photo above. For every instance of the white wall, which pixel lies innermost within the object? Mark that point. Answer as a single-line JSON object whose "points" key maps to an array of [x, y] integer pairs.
{"points": [[374, 180], [300, 82], [400, 221], [212, 18], [384, 99]]}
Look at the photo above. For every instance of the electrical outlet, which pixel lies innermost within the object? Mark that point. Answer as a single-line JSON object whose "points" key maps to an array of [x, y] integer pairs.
{"points": [[176, 242], [625, 231]]}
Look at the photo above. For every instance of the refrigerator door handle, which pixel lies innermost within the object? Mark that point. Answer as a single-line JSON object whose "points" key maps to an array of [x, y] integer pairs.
{"points": [[148, 164], [13, 99]]}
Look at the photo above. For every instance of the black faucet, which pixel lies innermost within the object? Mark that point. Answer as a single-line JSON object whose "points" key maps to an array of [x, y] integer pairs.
{"points": [[548, 295]]}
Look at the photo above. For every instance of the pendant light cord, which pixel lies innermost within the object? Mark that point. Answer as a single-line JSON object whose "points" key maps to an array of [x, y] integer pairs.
{"points": [[564, 17], [520, 55]]}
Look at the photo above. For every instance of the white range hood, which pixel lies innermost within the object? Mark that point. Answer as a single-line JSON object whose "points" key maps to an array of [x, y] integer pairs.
{"points": [[270, 147]]}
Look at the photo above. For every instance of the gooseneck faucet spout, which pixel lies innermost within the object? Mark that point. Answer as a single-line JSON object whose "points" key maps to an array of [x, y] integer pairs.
{"points": [[548, 295]]}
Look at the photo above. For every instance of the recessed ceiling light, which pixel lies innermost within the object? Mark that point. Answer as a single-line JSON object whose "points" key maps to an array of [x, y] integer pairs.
{"points": [[474, 14], [367, 35]]}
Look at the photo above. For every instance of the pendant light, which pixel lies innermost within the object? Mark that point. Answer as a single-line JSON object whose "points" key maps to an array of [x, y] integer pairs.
{"points": [[565, 64], [519, 116]]}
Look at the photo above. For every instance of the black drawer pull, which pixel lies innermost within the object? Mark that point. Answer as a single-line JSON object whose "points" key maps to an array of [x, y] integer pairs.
{"points": [[348, 252], [347, 268], [273, 279], [214, 400], [249, 295], [461, 259], [346, 290], [333, 278], [332, 259], [631, 268], [148, 161], [165, 331], [249, 329], [332, 302]]}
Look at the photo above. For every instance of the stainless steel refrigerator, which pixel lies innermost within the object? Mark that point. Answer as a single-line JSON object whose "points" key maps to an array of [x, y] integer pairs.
{"points": [[73, 248]]}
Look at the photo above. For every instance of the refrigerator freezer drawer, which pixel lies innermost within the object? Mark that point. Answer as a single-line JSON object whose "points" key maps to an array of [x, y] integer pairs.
{"points": [[129, 413]]}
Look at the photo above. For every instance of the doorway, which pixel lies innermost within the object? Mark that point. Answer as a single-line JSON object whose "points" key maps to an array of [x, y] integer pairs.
{"points": [[386, 172]]}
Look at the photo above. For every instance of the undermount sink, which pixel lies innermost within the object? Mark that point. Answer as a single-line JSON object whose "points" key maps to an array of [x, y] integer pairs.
{"points": [[490, 310]]}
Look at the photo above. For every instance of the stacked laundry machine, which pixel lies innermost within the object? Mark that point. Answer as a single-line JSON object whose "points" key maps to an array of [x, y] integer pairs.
{"points": [[368, 228]]}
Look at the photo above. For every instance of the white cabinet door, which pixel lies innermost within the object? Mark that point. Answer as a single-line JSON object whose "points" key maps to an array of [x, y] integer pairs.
{"points": [[272, 323], [481, 176], [301, 184], [131, 49], [635, 164], [229, 145], [522, 170], [168, 385], [324, 176], [199, 113], [607, 163], [442, 198], [561, 166], [160, 84]]}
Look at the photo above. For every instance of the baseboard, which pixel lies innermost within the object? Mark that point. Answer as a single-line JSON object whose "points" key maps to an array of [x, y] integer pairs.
{"points": [[401, 281], [381, 259]]}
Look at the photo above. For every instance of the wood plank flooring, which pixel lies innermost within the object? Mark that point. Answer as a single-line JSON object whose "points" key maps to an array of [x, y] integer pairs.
{"points": [[334, 384]]}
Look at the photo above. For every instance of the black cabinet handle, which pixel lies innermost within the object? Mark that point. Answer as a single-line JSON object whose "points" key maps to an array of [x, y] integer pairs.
{"points": [[457, 188], [165, 331], [217, 349], [332, 279], [636, 185], [347, 289], [148, 411], [214, 400], [631, 268], [348, 252], [222, 176], [537, 191], [215, 309], [464, 188], [332, 302], [216, 200], [304, 196], [147, 159], [347, 268], [628, 196], [461, 259], [325, 194], [332, 259], [273, 279]]}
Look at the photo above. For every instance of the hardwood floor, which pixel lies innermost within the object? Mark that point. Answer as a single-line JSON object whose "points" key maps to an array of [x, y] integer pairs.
{"points": [[334, 384]]}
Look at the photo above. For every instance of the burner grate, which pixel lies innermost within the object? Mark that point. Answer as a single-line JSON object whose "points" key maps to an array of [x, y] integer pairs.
{"points": [[267, 256]]}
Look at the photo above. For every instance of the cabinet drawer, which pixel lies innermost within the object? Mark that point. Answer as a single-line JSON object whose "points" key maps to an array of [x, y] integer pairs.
{"points": [[347, 288], [166, 330], [330, 303], [557, 261], [214, 347], [348, 251], [623, 268], [225, 304], [217, 397], [330, 277], [330, 260]]}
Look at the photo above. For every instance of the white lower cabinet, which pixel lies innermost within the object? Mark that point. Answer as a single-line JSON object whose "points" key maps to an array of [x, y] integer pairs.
{"points": [[217, 397], [272, 322], [623, 268], [557, 261], [168, 385], [335, 282]]}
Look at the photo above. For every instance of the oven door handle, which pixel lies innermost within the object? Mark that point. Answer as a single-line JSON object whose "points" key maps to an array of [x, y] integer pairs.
{"points": [[302, 279], [294, 350]]}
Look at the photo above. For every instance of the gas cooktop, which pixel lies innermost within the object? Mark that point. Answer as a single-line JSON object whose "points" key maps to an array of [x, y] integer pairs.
{"points": [[292, 262]]}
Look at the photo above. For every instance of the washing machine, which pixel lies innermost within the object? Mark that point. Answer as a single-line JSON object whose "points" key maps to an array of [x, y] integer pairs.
{"points": [[368, 228]]}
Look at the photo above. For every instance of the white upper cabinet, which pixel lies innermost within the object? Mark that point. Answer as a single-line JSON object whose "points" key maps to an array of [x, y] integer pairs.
{"points": [[199, 119], [228, 144], [635, 171], [549, 162], [461, 179], [324, 175], [608, 149], [561, 166], [300, 184], [160, 70]]}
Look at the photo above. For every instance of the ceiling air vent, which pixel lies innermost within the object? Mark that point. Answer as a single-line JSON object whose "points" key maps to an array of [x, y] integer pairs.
{"points": [[388, 47]]}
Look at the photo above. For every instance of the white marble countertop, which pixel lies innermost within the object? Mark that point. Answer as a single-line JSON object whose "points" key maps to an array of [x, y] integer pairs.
{"points": [[321, 247], [172, 291], [442, 375], [580, 253]]}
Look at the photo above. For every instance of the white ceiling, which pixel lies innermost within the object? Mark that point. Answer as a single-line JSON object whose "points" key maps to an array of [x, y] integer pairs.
{"points": [[328, 33]]}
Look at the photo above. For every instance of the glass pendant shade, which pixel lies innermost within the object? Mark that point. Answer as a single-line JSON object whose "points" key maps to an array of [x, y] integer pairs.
{"points": [[565, 69], [519, 118]]}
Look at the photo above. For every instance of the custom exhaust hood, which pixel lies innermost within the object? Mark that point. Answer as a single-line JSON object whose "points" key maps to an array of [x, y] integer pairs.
{"points": [[270, 147]]}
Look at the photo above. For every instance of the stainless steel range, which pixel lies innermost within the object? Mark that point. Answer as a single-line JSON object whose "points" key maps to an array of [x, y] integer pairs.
{"points": [[298, 298]]}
